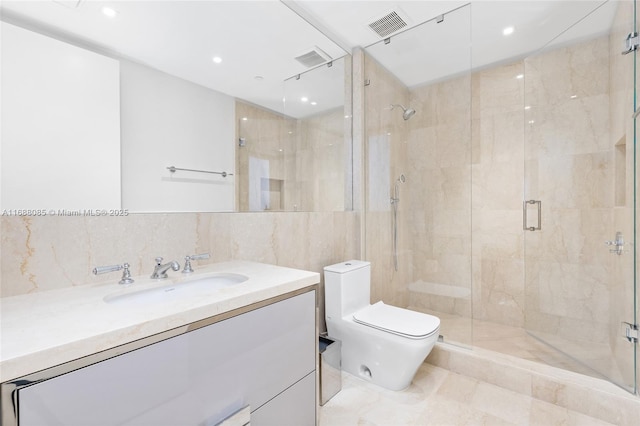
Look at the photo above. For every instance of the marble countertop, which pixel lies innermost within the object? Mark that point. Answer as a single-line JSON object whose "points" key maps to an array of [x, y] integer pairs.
{"points": [[42, 330]]}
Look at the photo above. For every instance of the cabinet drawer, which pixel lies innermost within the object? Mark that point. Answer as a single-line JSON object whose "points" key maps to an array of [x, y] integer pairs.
{"points": [[196, 378], [295, 406]]}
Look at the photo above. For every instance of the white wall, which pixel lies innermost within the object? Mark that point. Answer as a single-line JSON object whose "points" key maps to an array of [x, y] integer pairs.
{"points": [[167, 121], [60, 125]]}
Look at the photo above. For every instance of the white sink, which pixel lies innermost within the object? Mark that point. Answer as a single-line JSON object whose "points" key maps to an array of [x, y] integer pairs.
{"points": [[186, 288]]}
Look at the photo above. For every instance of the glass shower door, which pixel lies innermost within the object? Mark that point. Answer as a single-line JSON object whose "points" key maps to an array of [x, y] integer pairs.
{"points": [[418, 170], [579, 197]]}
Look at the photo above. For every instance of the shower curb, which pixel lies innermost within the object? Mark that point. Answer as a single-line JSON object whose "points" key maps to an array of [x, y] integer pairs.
{"points": [[587, 395]]}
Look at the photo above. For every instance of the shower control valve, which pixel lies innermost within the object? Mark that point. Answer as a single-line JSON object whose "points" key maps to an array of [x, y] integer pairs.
{"points": [[618, 243]]}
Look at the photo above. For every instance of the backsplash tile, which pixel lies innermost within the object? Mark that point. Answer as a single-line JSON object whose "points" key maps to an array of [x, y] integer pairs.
{"points": [[47, 253]]}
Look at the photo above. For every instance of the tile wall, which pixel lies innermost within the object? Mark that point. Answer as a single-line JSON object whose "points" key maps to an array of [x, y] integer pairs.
{"points": [[48, 253]]}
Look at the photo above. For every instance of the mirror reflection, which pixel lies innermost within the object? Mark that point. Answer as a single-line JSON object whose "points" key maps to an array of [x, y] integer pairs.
{"points": [[298, 160], [143, 110]]}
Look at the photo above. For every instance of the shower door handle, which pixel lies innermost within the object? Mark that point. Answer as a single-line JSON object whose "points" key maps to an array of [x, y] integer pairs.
{"points": [[524, 215]]}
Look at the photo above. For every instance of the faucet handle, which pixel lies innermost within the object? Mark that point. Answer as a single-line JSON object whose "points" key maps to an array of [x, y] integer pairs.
{"points": [[126, 275], [187, 261], [199, 256], [159, 260]]}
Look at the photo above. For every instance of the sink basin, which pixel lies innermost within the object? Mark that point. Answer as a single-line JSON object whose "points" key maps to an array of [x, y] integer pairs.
{"points": [[190, 287]]}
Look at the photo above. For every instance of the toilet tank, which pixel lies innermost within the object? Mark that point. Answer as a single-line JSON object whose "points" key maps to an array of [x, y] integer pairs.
{"points": [[346, 288]]}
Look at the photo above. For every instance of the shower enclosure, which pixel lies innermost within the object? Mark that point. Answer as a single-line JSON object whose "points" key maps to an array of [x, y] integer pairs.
{"points": [[517, 220]]}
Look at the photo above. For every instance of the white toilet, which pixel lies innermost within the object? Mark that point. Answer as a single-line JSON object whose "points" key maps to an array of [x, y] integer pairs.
{"points": [[380, 343]]}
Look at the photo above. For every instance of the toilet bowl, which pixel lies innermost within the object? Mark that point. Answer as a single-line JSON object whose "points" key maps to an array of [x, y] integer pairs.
{"points": [[381, 343]]}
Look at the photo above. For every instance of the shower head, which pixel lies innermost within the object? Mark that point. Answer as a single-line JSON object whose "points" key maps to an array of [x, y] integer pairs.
{"points": [[408, 112]]}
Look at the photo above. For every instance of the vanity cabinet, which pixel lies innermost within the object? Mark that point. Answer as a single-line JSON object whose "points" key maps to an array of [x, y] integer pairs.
{"points": [[263, 358]]}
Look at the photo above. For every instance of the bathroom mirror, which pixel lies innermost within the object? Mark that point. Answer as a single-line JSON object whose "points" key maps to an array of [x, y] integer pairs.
{"points": [[300, 160], [160, 129]]}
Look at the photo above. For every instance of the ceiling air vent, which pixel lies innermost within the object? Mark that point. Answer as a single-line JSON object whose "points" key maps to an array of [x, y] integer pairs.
{"points": [[313, 57], [388, 24]]}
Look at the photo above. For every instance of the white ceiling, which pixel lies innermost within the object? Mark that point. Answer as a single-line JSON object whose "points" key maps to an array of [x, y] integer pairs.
{"points": [[470, 37], [261, 38]]}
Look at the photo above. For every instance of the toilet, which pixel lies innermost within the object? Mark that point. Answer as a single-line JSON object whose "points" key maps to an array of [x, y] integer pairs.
{"points": [[381, 343]]}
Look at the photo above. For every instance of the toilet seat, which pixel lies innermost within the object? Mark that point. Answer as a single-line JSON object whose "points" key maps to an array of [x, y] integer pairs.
{"points": [[414, 325]]}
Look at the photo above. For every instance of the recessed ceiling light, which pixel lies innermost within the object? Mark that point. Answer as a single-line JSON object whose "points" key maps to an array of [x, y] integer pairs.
{"points": [[304, 99], [508, 31], [314, 103], [520, 76], [111, 13], [217, 59]]}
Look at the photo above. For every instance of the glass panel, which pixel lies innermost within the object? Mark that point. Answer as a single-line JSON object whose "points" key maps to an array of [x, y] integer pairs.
{"points": [[634, 179], [418, 171], [263, 146], [579, 167], [299, 160]]}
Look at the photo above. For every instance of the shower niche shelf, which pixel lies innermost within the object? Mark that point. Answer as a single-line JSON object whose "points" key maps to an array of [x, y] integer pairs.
{"points": [[271, 191]]}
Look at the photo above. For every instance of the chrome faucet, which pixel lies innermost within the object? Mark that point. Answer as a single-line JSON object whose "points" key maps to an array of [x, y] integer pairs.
{"points": [[160, 270]]}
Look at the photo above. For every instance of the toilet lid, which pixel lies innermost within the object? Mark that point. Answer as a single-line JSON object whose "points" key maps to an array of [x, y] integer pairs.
{"points": [[415, 325]]}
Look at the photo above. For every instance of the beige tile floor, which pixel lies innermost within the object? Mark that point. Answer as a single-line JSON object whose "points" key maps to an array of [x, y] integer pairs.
{"points": [[439, 397], [596, 360]]}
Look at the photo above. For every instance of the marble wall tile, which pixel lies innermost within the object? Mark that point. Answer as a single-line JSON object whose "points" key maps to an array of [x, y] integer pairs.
{"points": [[553, 76], [578, 125], [577, 181], [497, 91], [48, 253], [574, 291], [498, 245], [503, 296], [500, 137], [497, 186], [442, 103]]}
